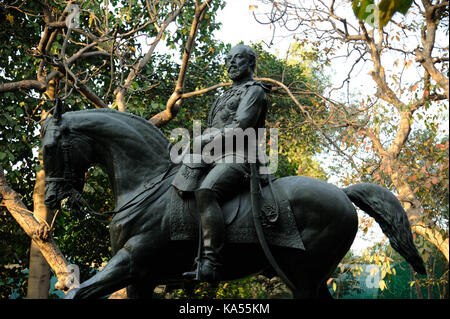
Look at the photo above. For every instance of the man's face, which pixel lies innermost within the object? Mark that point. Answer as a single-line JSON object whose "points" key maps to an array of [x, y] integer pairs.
{"points": [[238, 64]]}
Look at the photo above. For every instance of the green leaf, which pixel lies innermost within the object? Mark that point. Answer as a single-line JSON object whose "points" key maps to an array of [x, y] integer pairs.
{"points": [[11, 157], [403, 6], [2, 156], [387, 8], [363, 8]]}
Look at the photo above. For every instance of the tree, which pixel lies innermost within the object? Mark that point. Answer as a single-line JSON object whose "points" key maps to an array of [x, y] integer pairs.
{"points": [[402, 283], [297, 145], [408, 63]]}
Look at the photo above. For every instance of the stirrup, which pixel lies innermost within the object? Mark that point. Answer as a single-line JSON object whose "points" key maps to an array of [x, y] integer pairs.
{"points": [[192, 275], [212, 276]]}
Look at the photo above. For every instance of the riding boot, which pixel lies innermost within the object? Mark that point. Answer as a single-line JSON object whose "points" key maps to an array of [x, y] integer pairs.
{"points": [[213, 227]]}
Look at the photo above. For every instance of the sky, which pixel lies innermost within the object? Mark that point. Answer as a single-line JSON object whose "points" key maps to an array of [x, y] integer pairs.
{"points": [[238, 24]]}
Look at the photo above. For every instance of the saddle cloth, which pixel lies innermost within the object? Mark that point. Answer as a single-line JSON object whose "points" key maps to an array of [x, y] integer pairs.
{"points": [[184, 219]]}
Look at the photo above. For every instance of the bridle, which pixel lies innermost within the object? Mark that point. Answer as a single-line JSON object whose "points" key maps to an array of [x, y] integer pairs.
{"points": [[69, 177]]}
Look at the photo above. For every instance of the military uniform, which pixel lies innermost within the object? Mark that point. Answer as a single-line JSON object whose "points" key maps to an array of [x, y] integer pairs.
{"points": [[243, 106], [239, 108]]}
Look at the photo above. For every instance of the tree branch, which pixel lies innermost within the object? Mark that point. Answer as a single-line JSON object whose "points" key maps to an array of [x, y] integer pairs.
{"points": [[424, 56], [23, 85], [173, 105], [137, 68], [33, 229], [203, 91]]}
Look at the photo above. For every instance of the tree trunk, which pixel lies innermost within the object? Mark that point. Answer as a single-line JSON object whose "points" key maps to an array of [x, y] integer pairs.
{"points": [[414, 211], [418, 290], [433, 236], [33, 229], [38, 275], [39, 270], [430, 276]]}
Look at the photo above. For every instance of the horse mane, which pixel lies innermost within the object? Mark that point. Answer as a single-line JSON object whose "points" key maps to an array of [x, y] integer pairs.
{"points": [[148, 124], [123, 133], [131, 116]]}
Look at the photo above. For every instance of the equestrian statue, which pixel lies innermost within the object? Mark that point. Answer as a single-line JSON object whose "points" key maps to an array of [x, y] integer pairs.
{"points": [[210, 217]]}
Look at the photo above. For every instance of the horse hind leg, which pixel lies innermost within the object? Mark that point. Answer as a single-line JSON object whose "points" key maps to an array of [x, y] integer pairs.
{"points": [[306, 271], [303, 275], [114, 276], [309, 289], [306, 289], [324, 292]]}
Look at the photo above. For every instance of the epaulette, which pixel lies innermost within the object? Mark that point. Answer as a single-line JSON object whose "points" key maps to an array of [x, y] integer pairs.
{"points": [[266, 87]]}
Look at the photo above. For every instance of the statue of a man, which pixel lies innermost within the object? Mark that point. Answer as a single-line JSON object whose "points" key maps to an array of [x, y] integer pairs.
{"points": [[241, 107]]}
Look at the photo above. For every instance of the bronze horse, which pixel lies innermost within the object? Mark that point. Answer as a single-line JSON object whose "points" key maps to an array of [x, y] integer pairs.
{"points": [[136, 157]]}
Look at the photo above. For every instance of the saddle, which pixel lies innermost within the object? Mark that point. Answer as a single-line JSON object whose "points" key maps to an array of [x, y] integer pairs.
{"points": [[279, 230]]}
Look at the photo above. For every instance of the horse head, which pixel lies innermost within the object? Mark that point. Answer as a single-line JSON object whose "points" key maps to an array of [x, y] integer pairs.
{"points": [[66, 158], [131, 149]]}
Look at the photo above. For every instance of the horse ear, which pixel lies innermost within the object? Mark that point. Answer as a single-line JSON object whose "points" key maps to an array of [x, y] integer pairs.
{"points": [[59, 109]]}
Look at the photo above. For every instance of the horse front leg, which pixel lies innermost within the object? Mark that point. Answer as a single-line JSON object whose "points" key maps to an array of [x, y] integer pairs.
{"points": [[113, 277]]}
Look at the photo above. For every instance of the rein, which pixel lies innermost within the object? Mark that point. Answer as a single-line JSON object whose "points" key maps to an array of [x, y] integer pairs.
{"points": [[255, 194], [75, 196], [69, 177]]}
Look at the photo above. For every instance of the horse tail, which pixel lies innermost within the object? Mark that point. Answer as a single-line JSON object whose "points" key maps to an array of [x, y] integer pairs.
{"points": [[387, 211]]}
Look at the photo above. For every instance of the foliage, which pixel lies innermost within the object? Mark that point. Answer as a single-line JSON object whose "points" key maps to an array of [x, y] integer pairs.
{"points": [[297, 142], [427, 158], [14, 245], [380, 272], [344, 280], [17, 140], [389, 131], [254, 287], [405, 285], [381, 13], [84, 235]]}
